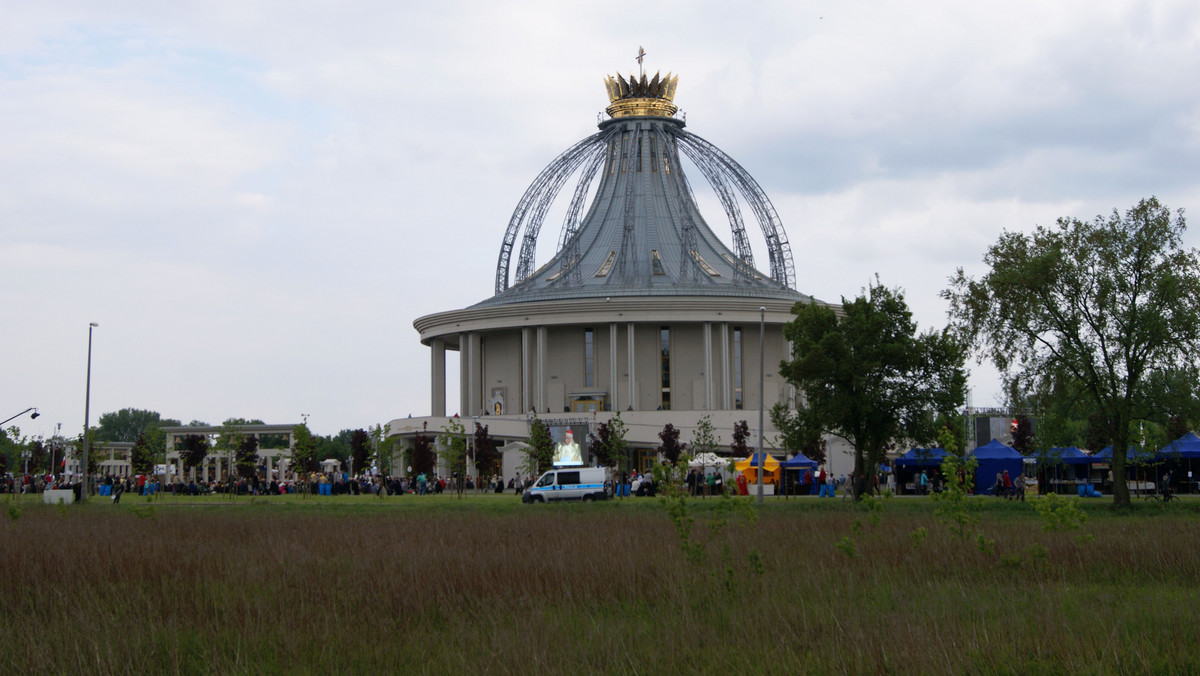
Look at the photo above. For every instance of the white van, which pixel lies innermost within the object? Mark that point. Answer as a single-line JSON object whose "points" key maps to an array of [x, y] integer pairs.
{"points": [[569, 483]]}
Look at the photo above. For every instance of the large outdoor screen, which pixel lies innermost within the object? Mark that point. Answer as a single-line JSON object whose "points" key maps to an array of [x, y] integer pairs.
{"points": [[570, 445]]}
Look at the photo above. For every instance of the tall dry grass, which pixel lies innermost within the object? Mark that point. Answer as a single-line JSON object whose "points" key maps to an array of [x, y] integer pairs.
{"points": [[254, 588]]}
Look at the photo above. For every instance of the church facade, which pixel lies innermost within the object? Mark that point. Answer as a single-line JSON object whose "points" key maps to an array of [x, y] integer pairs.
{"points": [[642, 310]]}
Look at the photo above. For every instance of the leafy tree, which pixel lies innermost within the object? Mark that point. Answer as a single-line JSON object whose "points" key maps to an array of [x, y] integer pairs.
{"points": [[304, 450], [798, 434], [333, 447], [1177, 426], [423, 458], [741, 437], [540, 456], [194, 450], [1022, 435], [141, 457], [1105, 308], [39, 459], [229, 439], [705, 438], [246, 459], [487, 458], [128, 424], [360, 449], [608, 445], [869, 378], [384, 447], [453, 444], [671, 449], [11, 446]]}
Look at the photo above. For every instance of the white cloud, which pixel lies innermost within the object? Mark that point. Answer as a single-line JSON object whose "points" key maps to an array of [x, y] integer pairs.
{"points": [[255, 199]]}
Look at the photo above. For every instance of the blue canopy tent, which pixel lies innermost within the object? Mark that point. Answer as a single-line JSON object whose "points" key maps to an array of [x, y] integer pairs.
{"points": [[1061, 469], [800, 461], [922, 457], [792, 482], [1135, 469], [1178, 457], [909, 466], [1132, 455], [995, 458]]}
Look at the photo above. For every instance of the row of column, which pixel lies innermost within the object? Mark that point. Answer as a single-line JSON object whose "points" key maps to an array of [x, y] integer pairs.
{"points": [[217, 462], [533, 370]]}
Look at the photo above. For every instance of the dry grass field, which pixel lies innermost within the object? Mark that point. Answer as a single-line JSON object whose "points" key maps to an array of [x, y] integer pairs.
{"points": [[487, 585]]}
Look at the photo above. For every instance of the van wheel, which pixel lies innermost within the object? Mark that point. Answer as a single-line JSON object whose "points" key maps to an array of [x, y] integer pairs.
{"points": [[541, 499], [587, 498]]}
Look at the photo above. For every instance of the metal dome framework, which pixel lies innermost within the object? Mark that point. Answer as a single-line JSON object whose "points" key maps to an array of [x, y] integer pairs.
{"points": [[725, 176]]}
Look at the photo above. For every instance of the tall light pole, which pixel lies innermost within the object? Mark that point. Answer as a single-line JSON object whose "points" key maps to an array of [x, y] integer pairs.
{"points": [[762, 342], [32, 417], [87, 402]]}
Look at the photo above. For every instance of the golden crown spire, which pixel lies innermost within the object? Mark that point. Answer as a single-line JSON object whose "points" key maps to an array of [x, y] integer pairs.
{"points": [[641, 96]]}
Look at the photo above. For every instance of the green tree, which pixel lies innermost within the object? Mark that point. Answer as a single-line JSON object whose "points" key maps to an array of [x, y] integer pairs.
{"points": [[487, 458], [39, 458], [423, 458], [453, 444], [360, 450], [194, 450], [141, 458], [1104, 308], [540, 456], [797, 433], [128, 424], [704, 437], [869, 378], [304, 450], [12, 444], [383, 448], [229, 439], [246, 459]]}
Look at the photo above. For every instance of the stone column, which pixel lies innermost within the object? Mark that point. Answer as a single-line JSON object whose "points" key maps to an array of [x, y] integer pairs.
{"points": [[437, 377], [464, 370], [633, 400], [474, 376], [526, 395], [708, 379], [541, 369], [612, 362], [726, 385]]}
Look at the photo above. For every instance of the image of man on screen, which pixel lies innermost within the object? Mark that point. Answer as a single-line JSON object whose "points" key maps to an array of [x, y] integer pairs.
{"points": [[568, 452]]}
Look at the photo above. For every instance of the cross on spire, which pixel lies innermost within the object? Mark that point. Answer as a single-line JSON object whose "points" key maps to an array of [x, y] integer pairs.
{"points": [[640, 55]]}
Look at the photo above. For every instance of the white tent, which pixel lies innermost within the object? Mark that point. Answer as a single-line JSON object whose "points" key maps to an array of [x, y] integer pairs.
{"points": [[708, 460]]}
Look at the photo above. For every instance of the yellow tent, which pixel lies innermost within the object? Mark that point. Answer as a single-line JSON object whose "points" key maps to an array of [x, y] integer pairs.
{"points": [[749, 468]]}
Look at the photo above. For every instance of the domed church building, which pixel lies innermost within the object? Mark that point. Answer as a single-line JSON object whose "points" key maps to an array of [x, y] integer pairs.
{"points": [[641, 310]]}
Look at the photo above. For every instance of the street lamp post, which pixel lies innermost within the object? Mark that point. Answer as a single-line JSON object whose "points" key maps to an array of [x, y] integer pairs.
{"points": [[32, 417], [87, 402], [762, 341]]}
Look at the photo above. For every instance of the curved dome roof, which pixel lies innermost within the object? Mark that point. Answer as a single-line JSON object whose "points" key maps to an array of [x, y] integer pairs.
{"points": [[642, 234]]}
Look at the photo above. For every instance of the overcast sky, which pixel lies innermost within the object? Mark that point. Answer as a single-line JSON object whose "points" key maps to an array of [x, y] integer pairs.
{"points": [[256, 199]]}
